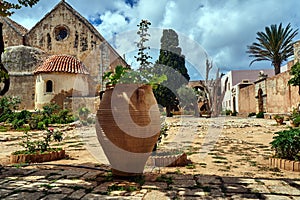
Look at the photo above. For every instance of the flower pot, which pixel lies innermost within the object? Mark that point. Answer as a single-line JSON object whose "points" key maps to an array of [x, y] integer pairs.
{"points": [[279, 121], [128, 126]]}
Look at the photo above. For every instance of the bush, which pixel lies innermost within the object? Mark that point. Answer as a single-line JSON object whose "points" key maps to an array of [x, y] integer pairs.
{"points": [[251, 114], [287, 144], [41, 125], [260, 115]]}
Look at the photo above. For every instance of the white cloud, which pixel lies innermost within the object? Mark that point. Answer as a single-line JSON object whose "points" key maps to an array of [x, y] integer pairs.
{"points": [[222, 28]]}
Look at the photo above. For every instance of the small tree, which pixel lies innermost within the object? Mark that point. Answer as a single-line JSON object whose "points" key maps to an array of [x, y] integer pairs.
{"points": [[171, 63], [143, 56], [187, 98], [295, 72]]}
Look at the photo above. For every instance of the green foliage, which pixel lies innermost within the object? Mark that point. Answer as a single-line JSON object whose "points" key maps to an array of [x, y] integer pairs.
{"points": [[260, 115], [8, 105], [7, 7], [251, 114], [275, 45], [143, 56], [278, 117], [286, 144], [172, 64], [32, 146], [295, 72], [113, 77], [164, 178], [187, 96], [163, 133], [295, 117]]}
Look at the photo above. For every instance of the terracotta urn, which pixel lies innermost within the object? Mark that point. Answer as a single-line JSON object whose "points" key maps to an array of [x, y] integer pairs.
{"points": [[128, 126]]}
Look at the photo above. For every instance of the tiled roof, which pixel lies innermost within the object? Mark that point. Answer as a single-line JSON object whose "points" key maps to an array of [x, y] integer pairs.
{"points": [[62, 63]]}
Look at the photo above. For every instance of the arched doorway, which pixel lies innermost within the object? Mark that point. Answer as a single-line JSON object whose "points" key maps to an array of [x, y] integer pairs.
{"points": [[260, 101], [49, 86], [234, 105]]}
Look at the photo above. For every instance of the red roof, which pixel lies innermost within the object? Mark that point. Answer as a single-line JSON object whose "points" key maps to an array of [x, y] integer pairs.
{"points": [[62, 63]]}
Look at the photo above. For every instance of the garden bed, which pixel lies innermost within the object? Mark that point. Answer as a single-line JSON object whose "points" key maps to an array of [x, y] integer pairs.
{"points": [[284, 164], [38, 157], [174, 160]]}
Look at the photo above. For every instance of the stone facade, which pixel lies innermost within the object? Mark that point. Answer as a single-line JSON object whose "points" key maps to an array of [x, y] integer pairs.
{"points": [[272, 95], [12, 32], [61, 31]]}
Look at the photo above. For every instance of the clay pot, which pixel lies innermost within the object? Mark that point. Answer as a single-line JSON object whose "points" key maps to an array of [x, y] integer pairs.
{"points": [[279, 121], [128, 126]]}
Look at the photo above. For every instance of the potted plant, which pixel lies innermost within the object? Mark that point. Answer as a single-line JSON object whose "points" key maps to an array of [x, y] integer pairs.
{"points": [[286, 145], [128, 121], [279, 119], [295, 118], [38, 150]]}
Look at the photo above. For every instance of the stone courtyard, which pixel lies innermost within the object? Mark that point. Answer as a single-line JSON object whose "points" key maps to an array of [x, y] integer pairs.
{"points": [[229, 161]]}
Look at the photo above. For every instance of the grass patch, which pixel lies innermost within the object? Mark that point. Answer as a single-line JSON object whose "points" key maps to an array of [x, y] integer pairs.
{"points": [[220, 161], [219, 157], [190, 166], [164, 178]]}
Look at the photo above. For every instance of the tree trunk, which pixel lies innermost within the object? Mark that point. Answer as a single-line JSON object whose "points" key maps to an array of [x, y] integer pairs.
{"points": [[168, 111], [6, 79], [277, 68]]}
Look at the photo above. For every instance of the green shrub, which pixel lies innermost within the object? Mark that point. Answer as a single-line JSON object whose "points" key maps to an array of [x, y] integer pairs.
{"points": [[18, 123], [41, 125], [286, 144], [260, 115], [8, 105], [251, 114]]}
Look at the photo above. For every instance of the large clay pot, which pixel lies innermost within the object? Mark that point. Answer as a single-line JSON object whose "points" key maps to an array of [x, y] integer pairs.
{"points": [[128, 127]]}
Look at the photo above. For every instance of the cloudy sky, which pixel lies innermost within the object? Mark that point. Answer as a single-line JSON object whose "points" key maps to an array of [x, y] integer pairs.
{"points": [[223, 28]]}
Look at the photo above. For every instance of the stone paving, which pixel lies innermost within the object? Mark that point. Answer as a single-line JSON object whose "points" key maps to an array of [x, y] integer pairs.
{"points": [[79, 182], [79, 177]]}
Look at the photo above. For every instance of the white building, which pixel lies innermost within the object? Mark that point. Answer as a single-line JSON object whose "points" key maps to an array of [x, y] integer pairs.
{"points": [[232, 81]]}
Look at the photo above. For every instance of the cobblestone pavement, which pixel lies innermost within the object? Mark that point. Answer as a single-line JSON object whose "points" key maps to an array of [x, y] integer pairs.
{"points": [[79, 182], [236, 168]]}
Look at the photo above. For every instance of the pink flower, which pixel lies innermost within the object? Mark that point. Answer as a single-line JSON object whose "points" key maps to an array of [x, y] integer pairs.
{"points": [[51, 129]]}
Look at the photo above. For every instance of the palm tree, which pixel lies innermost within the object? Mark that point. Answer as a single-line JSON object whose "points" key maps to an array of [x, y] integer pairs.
{"points": [[275, 45]]}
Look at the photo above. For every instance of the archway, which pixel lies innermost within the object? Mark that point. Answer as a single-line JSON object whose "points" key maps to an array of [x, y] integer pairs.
{"points": [[234, 105], [260, 101], [49, 86]]}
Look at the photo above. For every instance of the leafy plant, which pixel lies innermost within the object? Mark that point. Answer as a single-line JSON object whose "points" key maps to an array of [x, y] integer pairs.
{"points": [[251, 114], [279, 117], [113, 77], [286, 144], [260, 115], [33, 146], [8, 105], [295, 117], [295, 72]]}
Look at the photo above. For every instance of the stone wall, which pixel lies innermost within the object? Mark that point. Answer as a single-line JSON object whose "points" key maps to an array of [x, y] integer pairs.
{"points": [[23, 87], [247, 101], [75, 103], [11, 35], [280, 97]]}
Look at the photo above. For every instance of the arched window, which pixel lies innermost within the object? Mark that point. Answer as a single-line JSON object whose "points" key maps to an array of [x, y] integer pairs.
{"points": [[49, 86], [226, 85]]}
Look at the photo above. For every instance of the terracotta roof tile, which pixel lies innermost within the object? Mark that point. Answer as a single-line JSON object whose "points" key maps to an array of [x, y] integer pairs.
{"points": [[62, 63]]}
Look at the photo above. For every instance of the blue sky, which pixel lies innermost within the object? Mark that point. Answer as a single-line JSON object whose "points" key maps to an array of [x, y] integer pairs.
{"points": [[223, 29]]}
